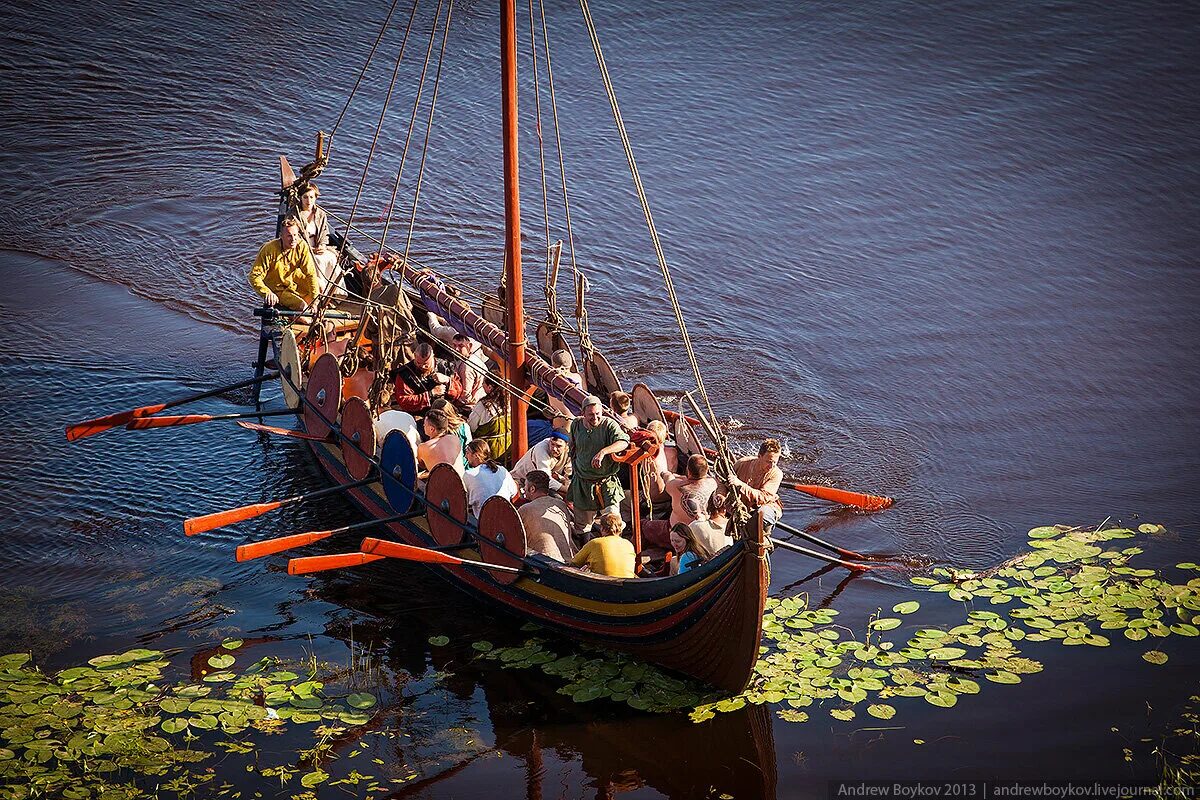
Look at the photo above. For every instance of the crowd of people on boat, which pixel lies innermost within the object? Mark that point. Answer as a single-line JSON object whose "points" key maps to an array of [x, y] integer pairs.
{"points": [[570, 485]]}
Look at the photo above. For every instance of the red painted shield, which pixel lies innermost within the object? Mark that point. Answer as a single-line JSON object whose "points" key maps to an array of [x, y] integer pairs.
{"points": [[504, 535], [446, 497], [358, 433], [324, 393]]}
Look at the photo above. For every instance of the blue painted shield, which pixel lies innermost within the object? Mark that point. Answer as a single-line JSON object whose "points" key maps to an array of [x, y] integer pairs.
{"points": [[398, 463]]}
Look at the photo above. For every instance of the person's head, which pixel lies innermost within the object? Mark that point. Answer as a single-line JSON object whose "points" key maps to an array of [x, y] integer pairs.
{"points": [[718, 504], [309, 198], [593, 411], [537, 484], [437, 422], [480, 452], [423, 358], [561, 359], [289, 233], [621, 402], [769, 451], [443, 404], [462, 344], [692, 542], [697, 466], [493, 391], [611, 525], [659, 429], [556, 444]]}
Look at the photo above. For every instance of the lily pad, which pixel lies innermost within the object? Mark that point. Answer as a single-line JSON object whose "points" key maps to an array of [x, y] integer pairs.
{"points": [[885, 624], [361, 700], [881, 711], [221, 661], [1155, 657], [231, 644], [439, 641], [906, 607], [844, 714]]}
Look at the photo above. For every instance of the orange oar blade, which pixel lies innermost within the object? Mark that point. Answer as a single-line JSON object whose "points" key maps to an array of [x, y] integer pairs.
{"points": [[222, 518], [246, 552], [82, 430], [869, 502], [303, 566], [408, 552], [255, 426]]}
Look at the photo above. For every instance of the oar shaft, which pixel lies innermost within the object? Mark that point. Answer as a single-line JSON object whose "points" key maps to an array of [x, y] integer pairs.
{"points": [[91, 427], [303, 566], [425, 555], [253, 426], [143, 423], [795, 548], [815, 540], [220, 519]]}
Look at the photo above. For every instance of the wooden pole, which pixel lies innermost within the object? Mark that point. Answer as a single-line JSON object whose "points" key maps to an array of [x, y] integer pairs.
{"points": [[515, 316]]}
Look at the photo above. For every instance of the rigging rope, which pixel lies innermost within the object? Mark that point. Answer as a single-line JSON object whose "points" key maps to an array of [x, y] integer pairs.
{"points": [[412, 123], [437, 79], [585, 340], [551, 304], [321, 303], [724, 458], [641, 193], [363, 71]]}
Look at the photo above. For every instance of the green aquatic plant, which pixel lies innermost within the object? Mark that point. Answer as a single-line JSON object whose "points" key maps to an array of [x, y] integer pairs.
{"points": [[1067, 588]]}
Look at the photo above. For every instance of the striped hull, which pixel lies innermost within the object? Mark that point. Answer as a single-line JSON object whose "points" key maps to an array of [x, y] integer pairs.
{"points": [[705, 623]]}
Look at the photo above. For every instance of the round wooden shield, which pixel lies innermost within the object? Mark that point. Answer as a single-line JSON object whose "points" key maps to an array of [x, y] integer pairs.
{"points": [[500, 525], [398, 465], [289, 365], [549, 340], [445, 493], [645, 404], [324, 393], [358, 433], [599, 377], [685, 439]]}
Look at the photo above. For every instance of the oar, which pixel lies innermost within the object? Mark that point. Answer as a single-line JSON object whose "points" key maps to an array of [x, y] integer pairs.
{"points": [[220, 519], [254, 426], [795, 548], [868, 502], [253, 550], [821, 542], [141, 423], [410, 552], [303, 566], [82, 430]]}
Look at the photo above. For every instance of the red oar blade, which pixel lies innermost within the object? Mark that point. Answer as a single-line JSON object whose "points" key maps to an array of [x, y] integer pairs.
{"points": [[868, 502], [408, 552], [91, 427], [222, 518], [303, 566], [257, 426], [246, 552]]}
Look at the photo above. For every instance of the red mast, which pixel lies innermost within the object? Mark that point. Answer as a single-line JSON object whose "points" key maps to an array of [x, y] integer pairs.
{"points": [[512, 230]]}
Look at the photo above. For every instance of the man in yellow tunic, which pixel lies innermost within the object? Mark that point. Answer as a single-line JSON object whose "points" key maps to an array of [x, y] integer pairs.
{"points": [[284, 272]]}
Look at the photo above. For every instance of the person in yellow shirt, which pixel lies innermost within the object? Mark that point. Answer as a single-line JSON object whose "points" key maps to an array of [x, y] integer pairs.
{"points": [[609, 553], [284, 272]]}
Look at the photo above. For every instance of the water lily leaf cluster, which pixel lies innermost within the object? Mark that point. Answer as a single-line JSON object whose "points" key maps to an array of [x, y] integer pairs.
{"points": [[1070, 587], [96, 728]]}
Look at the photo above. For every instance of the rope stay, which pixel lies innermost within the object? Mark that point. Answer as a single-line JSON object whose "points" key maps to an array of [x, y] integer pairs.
{"points": [[437, 78], [321, 303], [725, 461], [551, 303], [412, 122], [363, 71], [585, 342]]}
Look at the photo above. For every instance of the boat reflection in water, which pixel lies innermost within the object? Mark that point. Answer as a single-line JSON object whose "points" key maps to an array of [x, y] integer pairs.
{"points": [[446, 699]]}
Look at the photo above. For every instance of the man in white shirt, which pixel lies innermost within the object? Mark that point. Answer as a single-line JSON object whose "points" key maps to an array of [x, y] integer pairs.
{"points": [[552, 456]]}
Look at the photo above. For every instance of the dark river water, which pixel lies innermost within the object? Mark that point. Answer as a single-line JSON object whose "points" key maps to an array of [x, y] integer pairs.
{"points": [[947, 252]]}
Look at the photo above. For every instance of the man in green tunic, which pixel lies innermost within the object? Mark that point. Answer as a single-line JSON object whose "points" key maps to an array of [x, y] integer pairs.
{"points": [[594, 486]]}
